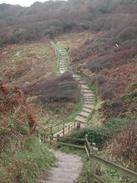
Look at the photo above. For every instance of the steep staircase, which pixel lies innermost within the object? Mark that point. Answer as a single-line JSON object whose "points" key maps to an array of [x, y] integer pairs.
{"points": [[68, 167], [87, 96]]}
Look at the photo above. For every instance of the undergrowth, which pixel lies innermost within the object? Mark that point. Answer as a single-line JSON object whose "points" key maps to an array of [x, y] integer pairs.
{"points": [[100, 134], [25, 164]]}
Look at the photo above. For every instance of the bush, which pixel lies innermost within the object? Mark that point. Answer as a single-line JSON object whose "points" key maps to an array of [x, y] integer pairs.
{"points": [[124, 144], [94, 135], [100, 135]]}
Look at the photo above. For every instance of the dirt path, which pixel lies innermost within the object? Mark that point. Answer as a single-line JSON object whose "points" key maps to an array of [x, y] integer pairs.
{"points": [[67, 169]]}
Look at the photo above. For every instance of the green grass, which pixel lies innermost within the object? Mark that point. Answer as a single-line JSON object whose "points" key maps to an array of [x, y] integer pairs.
{"points": [[96, 118], [23, 157], [74, 113], [27, 163]]}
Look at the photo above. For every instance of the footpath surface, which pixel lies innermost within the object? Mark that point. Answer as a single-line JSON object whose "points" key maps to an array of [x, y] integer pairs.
{"points": [[68, 167]]}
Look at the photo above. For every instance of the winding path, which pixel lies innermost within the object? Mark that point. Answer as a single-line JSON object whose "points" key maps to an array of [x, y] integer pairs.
{"points": [[88, 98], [68, 167]]}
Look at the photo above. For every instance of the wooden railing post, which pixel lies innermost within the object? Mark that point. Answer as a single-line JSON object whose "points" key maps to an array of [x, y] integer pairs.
{"points": [[63, 129], [51, 134], [93, 161]]}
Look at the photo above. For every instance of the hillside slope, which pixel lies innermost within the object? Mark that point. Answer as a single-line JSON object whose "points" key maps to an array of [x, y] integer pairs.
{"points": [[111, 57]]}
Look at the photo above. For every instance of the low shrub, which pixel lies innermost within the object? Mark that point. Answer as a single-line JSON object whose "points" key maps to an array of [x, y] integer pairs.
{"points": [[100, 135], [27, 163]]}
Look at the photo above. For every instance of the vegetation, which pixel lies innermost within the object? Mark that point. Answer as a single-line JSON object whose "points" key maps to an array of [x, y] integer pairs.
{"points": [[22, 156], [105, 50], [110, 56]]}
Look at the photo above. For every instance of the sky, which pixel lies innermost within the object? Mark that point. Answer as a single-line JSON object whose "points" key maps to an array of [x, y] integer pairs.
{"points": [[21, 2]]}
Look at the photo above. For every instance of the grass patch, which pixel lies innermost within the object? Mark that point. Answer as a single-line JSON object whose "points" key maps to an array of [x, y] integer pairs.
{"points": [[26, 164], [96, 117], [74, 113]]}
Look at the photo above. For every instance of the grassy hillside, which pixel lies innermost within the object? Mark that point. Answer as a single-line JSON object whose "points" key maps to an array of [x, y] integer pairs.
{"points": [[102, 39], [29, 99], [22, 155]]}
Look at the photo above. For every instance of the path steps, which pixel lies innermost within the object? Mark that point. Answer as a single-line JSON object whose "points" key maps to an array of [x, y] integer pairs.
{"points": [[88, 101], [67, 169], [87, 95]]}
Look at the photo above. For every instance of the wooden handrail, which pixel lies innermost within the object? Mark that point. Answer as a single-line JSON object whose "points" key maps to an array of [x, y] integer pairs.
{"points": [[122, 170], [73, 139]]}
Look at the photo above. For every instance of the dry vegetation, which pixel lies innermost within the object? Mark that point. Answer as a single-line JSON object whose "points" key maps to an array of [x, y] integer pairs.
{"points": [[111, 55], [24, 64], [30, 95], [20, 150]]}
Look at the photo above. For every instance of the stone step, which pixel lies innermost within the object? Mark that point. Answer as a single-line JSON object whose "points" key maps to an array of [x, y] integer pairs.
{"points": [[84, 114], [84, 86], [86, 110], [76, 77], [89, 94], [81, 119], [89, 98], [88, 103], [63, 68], [88, 106], [82, 82]]}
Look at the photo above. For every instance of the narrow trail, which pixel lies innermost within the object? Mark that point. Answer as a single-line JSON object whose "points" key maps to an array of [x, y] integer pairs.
{"points": [[87, 96], [68, 167]]}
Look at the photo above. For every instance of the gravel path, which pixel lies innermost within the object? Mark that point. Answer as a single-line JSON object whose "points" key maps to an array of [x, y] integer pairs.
{"points": [[67, 169]]}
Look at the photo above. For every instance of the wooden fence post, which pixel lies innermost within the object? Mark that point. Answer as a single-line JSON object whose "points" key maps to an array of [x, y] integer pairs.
{"points": [[63, 129], [93, 161], [51, 134]]}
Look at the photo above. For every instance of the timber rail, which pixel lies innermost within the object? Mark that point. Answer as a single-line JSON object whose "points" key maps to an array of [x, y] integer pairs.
{"points": [[95, 160]]}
